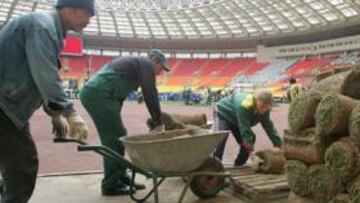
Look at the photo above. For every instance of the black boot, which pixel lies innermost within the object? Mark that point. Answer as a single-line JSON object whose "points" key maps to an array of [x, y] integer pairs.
{"points": [[120, 189], [127, 180]]}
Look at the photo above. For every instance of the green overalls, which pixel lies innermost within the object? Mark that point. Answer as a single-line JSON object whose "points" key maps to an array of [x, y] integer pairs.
{"points": [[103, 96]]}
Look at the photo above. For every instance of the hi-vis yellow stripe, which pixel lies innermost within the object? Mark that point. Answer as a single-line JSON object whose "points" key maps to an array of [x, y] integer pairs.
{"points": [[248, 102]]}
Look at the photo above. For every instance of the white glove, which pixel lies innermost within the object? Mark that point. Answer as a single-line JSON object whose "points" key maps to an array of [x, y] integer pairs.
{"points": [[159, 129], [60, 126], [78, 128], [255, 162], [277, 150]]}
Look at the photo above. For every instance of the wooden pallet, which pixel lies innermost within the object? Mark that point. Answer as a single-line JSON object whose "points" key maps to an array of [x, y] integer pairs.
{"points": [[256, 187]]}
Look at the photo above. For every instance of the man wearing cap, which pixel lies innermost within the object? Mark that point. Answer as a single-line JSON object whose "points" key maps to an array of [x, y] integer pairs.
{"points": [[103, 97], [30, 46], [238, 113]]}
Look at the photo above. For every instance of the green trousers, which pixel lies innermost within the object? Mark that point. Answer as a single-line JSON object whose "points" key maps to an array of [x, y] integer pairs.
{"points": [[101, 98]]}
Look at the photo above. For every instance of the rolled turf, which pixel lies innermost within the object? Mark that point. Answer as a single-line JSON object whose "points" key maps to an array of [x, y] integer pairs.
{"points": [[323, 185], [169, 121], [346, 83], [354, 189], [354, 128], [341, 158], [297, 176], [273, 162], [302, 111], [351, 84], [341, 198], [304, 146], [332, 116], [293, 198], [196, 119]]}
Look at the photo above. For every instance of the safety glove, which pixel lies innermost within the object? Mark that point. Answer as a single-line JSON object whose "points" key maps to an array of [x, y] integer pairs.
{"points": [[78, 128]]}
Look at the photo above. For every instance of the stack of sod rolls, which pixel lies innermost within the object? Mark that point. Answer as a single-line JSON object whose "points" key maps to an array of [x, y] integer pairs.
{"points": [[322, 144]]}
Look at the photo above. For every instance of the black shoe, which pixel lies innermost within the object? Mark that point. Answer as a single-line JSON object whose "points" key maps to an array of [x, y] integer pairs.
{"points": [[127, 180], [124, 190]]}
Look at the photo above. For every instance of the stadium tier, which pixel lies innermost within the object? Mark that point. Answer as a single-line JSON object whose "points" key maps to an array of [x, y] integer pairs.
{"points": [[217, 73]]}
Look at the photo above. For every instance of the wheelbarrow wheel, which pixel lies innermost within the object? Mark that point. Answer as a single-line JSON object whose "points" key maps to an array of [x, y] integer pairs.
{"points": [[208, 186]]}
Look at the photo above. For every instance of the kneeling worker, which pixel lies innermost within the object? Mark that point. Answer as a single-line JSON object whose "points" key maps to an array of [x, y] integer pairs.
{"points": [[238, 113], [103, 97]]}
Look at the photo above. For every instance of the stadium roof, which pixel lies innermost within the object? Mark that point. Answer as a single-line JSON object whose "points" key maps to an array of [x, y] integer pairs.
{"points": [[204, 19]]}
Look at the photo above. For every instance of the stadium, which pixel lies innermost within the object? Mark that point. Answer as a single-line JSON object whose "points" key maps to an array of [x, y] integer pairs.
{"points": [[215, 49]]}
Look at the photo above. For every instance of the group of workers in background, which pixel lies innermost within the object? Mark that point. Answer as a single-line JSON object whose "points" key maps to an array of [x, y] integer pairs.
{"points": [[30, 47]]}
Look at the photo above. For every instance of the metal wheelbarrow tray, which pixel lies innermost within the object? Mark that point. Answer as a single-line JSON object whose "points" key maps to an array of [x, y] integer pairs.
{"points": [[178, 153]]}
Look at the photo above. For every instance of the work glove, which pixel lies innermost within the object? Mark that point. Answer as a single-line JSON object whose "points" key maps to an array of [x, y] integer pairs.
{"points": [[159, 128], [277, 150], [60, 126], [255, 162], [78, 127]]}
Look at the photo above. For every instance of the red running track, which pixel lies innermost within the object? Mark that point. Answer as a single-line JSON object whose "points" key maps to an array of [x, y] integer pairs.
{"points": [[59, 158]]}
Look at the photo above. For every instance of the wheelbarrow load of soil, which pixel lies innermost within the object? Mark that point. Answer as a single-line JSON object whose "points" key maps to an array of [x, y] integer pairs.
{"points": [[345, 83], [304, 146], [323, 185], [332, 116], [302, 111], [298, 177], [341, 158], [272, 161]]}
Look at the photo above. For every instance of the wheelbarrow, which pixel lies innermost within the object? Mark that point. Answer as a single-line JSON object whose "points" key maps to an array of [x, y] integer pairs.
{"points": [[178, 153]]}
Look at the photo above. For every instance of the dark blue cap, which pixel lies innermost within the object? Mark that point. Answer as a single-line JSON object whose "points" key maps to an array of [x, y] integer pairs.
{"points": [[83, 4]]}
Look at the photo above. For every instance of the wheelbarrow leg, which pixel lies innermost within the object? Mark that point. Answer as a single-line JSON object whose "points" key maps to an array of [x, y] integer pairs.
{"points": [[154, 190], [185, 189], [156, 194]]}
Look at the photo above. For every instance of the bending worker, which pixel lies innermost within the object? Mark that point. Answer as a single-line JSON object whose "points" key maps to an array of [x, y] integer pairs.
{"points": [[29, 59], [238, 113], [103, 97]]}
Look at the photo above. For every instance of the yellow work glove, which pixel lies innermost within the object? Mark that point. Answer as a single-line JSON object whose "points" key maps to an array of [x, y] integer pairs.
{"points": [[78, 128], [60, 126]]}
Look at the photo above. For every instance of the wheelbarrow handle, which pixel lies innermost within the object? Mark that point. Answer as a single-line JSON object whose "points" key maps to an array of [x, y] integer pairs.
{"points": [[119, 159], [68, 140]]}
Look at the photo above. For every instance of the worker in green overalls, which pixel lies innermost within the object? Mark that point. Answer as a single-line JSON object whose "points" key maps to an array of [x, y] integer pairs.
{"points": [[103, 97], [238, 113]]}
